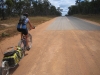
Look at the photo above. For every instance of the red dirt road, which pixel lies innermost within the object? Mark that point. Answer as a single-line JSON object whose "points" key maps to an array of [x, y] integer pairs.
{"points": [[58, 52]]}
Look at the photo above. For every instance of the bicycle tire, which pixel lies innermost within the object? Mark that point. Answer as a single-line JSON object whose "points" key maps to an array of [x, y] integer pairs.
{"points": [[30, 40], [5, 68], [22, 46]]}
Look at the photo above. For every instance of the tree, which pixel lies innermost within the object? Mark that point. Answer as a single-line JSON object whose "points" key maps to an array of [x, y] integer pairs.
{"points": [[33, 7], [85, 7], [9, 4]]}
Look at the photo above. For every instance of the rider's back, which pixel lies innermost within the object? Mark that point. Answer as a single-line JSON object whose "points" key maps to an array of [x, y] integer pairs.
{"points": [[22, 22]]}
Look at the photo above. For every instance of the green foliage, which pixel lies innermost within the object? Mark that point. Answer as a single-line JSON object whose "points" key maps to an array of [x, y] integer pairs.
{"points": [[4, 34], [9, 3], [85, 7], [39, 8], [44, 8]]}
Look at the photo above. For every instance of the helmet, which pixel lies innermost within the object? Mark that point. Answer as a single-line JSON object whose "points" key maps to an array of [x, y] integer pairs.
{"points": [[25, 14]]}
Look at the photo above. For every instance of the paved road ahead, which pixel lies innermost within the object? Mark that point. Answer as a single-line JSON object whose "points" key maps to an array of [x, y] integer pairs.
{"points": [[62, 46], [68, 23]]}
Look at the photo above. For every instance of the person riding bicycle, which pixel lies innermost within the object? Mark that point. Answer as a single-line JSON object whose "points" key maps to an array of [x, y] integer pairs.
{"points": [[22, 27]]}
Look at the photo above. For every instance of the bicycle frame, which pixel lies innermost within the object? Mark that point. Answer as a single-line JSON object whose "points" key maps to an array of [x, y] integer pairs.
{"points": [[23, 41]]}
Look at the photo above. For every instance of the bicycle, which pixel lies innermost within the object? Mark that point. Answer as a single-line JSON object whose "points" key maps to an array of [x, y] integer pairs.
{"points": [[8, 60], [13, 56], [11, 59]]}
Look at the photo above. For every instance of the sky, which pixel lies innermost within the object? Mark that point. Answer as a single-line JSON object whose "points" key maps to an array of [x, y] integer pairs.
{"points": [[63, 4]]}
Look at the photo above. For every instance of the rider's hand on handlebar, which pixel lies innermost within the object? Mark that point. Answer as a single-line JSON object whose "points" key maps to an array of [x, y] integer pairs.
{"points": [[33, 27]]}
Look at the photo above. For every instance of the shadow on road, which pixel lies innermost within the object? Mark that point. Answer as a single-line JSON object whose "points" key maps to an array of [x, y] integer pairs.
{"points": [[11, 71]]}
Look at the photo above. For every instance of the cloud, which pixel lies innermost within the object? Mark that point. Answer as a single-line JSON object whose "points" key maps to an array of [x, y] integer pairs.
{"points": [[63, 4]]}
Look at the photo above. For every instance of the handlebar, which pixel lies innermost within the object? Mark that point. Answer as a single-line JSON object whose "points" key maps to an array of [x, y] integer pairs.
{"points": [[33, 27]]}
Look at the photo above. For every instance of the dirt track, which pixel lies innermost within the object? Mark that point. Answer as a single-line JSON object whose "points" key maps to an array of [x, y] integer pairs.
{"points": [[58, 52]]}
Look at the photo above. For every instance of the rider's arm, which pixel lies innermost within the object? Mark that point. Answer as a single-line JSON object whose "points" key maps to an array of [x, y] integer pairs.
{"points": [[30, 24]]}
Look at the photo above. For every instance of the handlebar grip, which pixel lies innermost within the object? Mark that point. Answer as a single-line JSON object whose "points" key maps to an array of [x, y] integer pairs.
{"points": [[34, 27]]}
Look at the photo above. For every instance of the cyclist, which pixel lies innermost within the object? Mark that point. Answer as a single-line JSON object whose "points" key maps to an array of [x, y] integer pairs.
{"points": [[23, 28]]}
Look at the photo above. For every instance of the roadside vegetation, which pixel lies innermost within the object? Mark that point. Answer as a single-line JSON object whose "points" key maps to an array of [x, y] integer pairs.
{"points": [[13, 8], [10, 11], [86, 9], [8, 27], [90, 17]]}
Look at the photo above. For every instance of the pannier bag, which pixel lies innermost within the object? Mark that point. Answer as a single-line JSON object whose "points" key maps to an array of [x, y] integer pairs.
{"points": [[12, 57]]}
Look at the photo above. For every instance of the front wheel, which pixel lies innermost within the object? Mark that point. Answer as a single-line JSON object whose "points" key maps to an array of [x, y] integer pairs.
{"points": [[29, 40], [5, 68]]}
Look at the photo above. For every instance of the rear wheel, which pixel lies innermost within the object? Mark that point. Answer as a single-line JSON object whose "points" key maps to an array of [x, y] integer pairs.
{"points": [[0, 70], [21, 44], [5, 68]]}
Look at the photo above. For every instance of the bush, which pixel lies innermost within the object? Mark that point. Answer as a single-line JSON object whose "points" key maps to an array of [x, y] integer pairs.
{"points": [[4, 34]]}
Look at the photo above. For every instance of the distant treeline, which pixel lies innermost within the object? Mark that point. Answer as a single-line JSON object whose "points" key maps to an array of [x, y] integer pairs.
{"points": [[85, 7], [34, 8]]}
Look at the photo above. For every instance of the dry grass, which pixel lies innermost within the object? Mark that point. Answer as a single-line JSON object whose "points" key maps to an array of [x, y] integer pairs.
{"points": [[91, 17], [8, 27]]}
